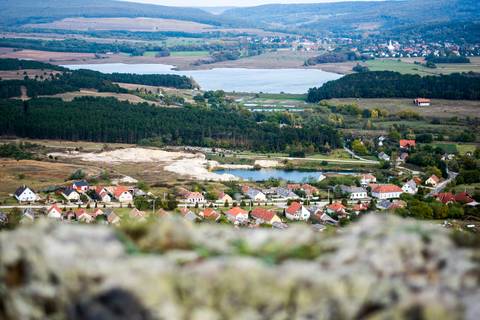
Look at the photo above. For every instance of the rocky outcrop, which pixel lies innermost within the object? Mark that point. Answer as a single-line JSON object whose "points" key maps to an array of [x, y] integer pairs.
{"points": [[376, 269]]}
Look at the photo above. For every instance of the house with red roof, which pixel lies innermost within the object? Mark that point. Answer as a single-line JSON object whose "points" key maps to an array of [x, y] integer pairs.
{"points": [[366, 179], [422, 102], [102, 194], [223, 197], [83, 216], [336, 208], [463, 198], [265, 216], [237, 215], [54, 212], [359, 207], [387, 191], [97, 212], [433, 181], [296, 211], [122, 194], [407, 144], [210, 214], [137, 214], [445, 197]]}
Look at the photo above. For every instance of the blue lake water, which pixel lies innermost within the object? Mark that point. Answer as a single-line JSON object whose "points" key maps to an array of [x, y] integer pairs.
{"points": [[287, 175], [296, 81]]}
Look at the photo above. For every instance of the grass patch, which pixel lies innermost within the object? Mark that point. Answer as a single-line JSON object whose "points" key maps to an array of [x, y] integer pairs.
{"points": [[189, 53]]}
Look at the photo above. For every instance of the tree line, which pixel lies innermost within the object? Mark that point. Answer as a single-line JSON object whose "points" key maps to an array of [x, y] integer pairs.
{"points": [[388, 84], [17, 64], [78, 79], [109, 120]]}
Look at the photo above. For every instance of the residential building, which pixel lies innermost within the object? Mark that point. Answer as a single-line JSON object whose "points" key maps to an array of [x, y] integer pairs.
{"points": [[433, 181], [383, 156], [265, 216], [336, 208], [189, 215], [25, 194], [407, 144], [82, 216], [80, 186], [359, 207], [296, 211], [463, 198], [445, 197], [210, 214], [122, 194], [286, 193], [387, 191], [137, 214], [355, 193], [256, 195], [422, 102], [410, 187], [237, 215], [54, 212], [223, 197], [366, 179], [103, 195], [194, 198], [70, 195], [112, 217]]}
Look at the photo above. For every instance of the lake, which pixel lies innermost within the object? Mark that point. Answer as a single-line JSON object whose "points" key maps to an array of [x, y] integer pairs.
{"points": [[295, 81], [287, 175]]}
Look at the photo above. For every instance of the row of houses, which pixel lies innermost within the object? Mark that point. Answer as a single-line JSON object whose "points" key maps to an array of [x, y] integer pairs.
{"points": [[107, 216], [74, 192]]}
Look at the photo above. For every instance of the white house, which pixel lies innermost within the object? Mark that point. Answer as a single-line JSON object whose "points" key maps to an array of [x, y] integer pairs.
{"points": [[387, 191], [103, 195], [54, 212], [122, 194], [223, 197], [297, 212], [25, 194], [194, 198], [83, 216], [71, 195], [366, 179], [432, 181], [355, 193], [256, 195], [237, 215], [410, 187], [80, 186], [383, 156]]}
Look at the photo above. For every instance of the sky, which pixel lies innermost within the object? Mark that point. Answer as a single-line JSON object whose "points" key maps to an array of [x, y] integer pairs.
{"points": [[227, 3]]}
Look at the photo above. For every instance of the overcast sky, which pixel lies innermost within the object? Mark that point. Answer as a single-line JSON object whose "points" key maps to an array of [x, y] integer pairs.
{"points": [[227, 3]]}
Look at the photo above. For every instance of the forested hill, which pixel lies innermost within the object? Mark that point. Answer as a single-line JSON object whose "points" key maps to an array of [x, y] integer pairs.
{"points": [[387, 84], [344, 17], [18, 12], [108, 120], [17, 64]]}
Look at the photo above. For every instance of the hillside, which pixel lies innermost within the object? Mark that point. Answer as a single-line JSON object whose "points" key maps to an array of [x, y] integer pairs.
{"points": [[18, 12], [356, 16]]}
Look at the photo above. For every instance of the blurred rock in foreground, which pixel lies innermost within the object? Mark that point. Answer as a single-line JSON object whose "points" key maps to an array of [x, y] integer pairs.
{"points": [[379, 268]]}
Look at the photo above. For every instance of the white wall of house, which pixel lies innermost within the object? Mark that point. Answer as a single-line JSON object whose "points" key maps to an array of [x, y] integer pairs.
{"points": [[358, 195], [27, 196], [386, 195], [125, 197]]}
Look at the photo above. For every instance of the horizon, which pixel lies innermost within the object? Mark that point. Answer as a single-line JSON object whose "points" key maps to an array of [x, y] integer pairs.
{"points": [[234, 3]]}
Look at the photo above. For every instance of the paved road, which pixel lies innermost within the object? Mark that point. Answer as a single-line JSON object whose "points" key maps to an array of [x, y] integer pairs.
{"points": [[358, 157], [443, 184]]}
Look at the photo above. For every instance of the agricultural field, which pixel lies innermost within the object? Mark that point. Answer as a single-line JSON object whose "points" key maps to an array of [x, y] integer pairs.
{"points": [[438, 109], [198, 54], [69, 96], [407, 66]]}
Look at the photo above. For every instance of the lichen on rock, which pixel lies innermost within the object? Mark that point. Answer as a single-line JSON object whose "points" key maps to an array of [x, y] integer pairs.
{"points": [[378, 268]]}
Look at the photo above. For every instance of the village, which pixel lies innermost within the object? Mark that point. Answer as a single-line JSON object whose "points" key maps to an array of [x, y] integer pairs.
{"points": [[324, 203]]}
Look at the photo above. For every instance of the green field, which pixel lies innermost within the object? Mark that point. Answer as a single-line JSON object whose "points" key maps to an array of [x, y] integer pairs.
{"points": [[398, 66], [456, 148], [411, 68]]}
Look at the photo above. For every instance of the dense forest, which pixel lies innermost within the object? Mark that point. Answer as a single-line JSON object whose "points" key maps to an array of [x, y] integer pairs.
{"points": [[78, 79], [334, 57], [448, 59], [76, 45], [17, 64], [387, 84], [108, 120]]}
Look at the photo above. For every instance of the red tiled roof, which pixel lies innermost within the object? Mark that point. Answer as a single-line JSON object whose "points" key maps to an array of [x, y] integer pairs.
{"points": [[119, 190], [263, 214], [445, 197], [463, 198], [194, 195], [235, 211], [387, 188], [294, 208], [435, 178], [209, 213], [80, 212], [54, 207], [423, 100], [336, 207], [360, 207], [295, 186], [407, 143]]}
